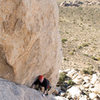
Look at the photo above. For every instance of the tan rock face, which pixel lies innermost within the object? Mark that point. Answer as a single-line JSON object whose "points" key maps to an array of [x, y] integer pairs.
{"points": [[29, 40]]}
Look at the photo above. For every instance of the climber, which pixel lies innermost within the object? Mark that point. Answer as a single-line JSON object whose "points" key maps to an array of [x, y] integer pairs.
{"points": [[40, 82]]}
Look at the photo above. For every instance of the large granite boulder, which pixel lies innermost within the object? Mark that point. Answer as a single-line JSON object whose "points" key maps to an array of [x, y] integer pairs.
{"points": [[29, 40], [11, 91]]}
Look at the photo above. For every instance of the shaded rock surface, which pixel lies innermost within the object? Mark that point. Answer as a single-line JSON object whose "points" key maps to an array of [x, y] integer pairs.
{"points": [[11, 91], [29, 40]]}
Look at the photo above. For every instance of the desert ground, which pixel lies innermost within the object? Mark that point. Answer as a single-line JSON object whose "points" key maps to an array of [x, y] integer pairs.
{"points": [[80, 33]]}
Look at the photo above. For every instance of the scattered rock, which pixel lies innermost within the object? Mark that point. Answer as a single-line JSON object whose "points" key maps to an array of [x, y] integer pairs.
{"points": [[92, 96], [97, 88], [85, 87], [86, 79], [57, 91], [60, 98], [71, 73], [66, 71], [78, 80], [62, 94], [83, 97], [74, 92], [94, 78]]}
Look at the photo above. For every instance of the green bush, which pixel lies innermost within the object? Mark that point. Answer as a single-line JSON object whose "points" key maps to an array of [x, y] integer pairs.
{"points": [[70, 82], [94, 58], [62, 77], [88, 71], [80, 47], [86, 55], [65, 59], [85, 44], [64, 40]]}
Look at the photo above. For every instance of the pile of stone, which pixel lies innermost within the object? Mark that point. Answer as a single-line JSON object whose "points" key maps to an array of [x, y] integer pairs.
{"points": [[85, 87], [77, 3]]}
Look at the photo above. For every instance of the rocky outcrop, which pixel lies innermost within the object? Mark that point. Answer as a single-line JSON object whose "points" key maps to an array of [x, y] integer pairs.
{"points": [[29, 40], [79, 85], [77, 3], [11, 91]]}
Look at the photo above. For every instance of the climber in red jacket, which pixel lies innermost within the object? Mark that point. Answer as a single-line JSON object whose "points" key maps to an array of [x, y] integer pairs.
{"points": [[41, 82]]}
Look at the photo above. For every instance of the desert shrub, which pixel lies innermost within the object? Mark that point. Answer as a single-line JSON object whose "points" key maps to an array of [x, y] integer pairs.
{"points": [[65, 59], [70, 82], [64, 40], [88, 71], [62, 77], [85, 44], [94, 58], [80, 47]]}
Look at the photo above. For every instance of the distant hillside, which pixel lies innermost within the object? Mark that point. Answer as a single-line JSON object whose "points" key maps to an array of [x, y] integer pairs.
{"points": [[80, 32], [78, 3]]}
